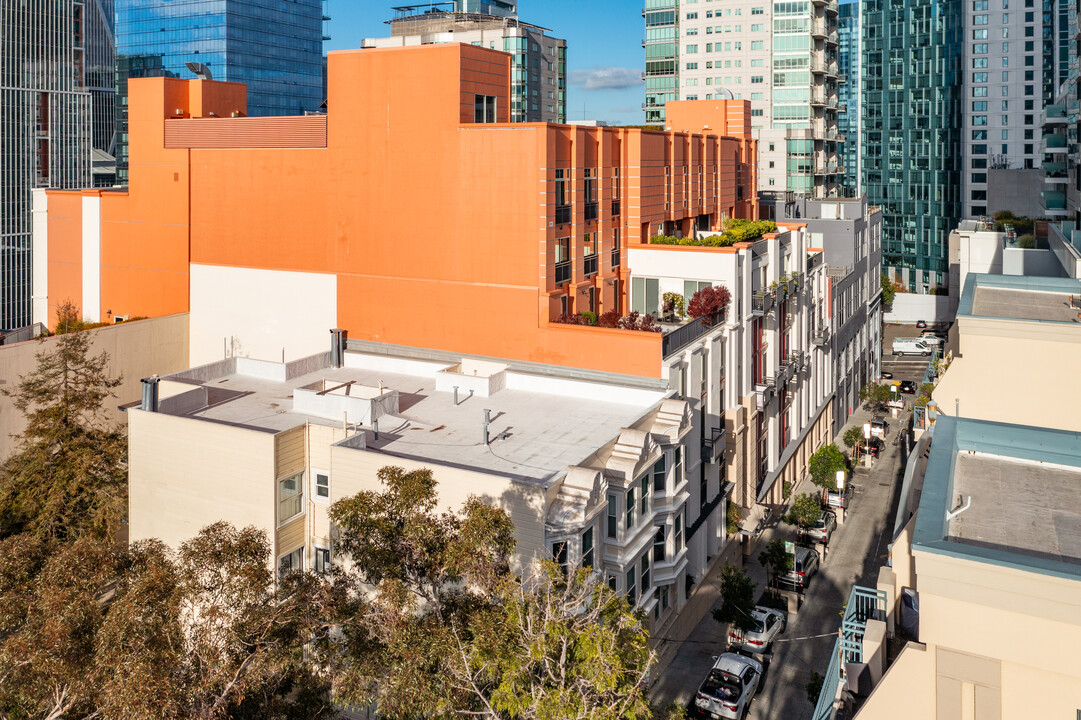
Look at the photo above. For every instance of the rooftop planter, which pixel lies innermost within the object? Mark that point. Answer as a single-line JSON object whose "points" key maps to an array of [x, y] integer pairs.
{"points": [[735, 231]]}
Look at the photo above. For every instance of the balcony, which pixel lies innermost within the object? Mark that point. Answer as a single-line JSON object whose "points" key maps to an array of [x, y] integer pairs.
{"points": [[1054, 143], [1053, 201], [591, 211], [761, 303], [1053, 115], [818, 29], [563, 272], [821, 338], [785, 372], [1054, 170], [818, 99], [591, 265], [713, 447], [615, 208], [563, 214], [680, 337]]}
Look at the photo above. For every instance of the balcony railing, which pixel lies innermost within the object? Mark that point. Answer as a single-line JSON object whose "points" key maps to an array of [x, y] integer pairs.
{"points": [[591, 211], [591, 265], [822, 337], [863, 604], [563, 272], [615, 208], [615, 257], [761, 303], [563, 214], [679, 338], [714, 445]]}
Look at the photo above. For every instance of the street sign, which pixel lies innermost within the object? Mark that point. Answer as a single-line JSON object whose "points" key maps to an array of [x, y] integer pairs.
{"points": [[867, 430], [840, 479], [789, 547]]}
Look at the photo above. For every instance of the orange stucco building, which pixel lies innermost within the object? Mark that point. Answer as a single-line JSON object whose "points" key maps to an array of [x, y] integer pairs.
{"points": [[412, 213]]}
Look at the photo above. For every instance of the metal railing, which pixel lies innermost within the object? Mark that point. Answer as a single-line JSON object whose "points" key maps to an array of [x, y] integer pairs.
{"points": [[687, 333], [563, 272], [713, 445], [563, 214], [761, 303], [863, 604], [591, 264], [821, 337], [591, 211]]}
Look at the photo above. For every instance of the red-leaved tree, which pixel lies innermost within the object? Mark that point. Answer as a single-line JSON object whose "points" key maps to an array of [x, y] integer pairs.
{"points": [[708, 303]]}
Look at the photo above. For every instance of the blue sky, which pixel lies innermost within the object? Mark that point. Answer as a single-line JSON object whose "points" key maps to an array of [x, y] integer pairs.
{"points": [[604, 47]]}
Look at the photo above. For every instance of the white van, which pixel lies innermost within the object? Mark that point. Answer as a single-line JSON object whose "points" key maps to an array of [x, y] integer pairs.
{"points": [[910, 346]]}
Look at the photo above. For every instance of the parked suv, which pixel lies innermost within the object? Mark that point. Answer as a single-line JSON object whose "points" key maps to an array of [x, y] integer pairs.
{"points": [[768, 624], [729, 687], [800, 576], [822, 530]]}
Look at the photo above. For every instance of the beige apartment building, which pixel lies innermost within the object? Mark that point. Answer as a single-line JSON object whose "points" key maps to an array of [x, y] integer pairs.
{"points": [[1018, 344], [783, 57], [993, 554]]}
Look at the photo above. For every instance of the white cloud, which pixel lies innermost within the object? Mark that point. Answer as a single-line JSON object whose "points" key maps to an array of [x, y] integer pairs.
{"points": [[606, 78]]}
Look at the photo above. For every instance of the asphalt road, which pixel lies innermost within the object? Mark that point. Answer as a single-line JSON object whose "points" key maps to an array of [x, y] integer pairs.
{"points": [[857, 550]]}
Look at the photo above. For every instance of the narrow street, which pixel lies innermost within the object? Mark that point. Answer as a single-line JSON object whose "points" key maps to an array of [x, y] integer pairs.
{"points": [[857, 550]]}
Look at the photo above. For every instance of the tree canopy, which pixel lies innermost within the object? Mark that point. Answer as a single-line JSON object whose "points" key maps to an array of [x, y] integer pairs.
{"points": [[737, 598], [824, 465]]}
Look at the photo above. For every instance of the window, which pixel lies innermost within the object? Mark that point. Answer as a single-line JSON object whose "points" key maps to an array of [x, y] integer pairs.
{"points": [[979, 177], [645, 495], [484, 108], [757, 27], [645, 573], [979, 134], [757, 79], [979, 63], [979, 34], [979, 6], [630, 509], [291, 562], [322, 560], [677, 466], [758, 44], [658, 476], [979, 48], [757, 11], [587, 548], [613, 522], [677, 534], [979, 106], [290, 497], [691, 49], [559, 555], [979, 92], [979, 19], [631, 590], [320, 486], [979, 77], [658, 545]]}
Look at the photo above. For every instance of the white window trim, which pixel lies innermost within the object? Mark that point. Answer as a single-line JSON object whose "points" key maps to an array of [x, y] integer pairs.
{"points": [[315, 554], [315, 495]]}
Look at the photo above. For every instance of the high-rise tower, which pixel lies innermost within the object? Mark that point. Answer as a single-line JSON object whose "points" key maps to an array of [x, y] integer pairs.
{"points": [[45, 125]]}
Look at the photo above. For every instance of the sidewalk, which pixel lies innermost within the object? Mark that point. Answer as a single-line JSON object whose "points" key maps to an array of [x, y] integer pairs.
{"points": [[691, 642]]}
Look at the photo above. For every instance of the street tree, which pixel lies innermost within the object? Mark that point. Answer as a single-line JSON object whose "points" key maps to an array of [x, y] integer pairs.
{"points": [[776, 559], [737, 598], [67, 476], [888, 291], [824, 465], [804, 512], [853, 436]]}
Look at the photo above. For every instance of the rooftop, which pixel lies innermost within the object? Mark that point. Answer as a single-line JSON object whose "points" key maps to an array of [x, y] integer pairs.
{"points": [[1016, 297], [1019, 507], [539, 425], [1019, 484]]}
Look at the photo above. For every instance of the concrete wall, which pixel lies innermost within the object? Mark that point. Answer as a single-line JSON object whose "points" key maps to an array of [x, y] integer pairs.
{"points": [[909, 307], [1040, 263], [136, 350], [1015, 190], [251, 313]]}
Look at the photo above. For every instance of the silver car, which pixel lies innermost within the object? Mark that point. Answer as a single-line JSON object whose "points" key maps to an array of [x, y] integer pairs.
{"points": [[729, 687], [822, 530], [768, 624]]}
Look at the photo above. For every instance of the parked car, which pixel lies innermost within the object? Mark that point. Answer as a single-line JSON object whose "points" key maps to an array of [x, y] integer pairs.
{"points": [[768, 624], [932, 339], [921, 324], [909, 387], [879, 427], [805, 567], [886, 375], [872, 447], [910, 346], [729, 687], [822, 530], [839, 498]]}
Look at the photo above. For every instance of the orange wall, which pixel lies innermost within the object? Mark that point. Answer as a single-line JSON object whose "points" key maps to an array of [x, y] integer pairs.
{"points": [[441, 231]]}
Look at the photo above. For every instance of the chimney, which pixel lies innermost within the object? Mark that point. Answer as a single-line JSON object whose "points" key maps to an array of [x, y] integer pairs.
{"points": [[338, 340], [150, 394]]}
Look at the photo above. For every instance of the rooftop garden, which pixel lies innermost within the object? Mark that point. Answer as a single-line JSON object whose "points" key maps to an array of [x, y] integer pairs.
{"points": [[612, 319], [735, 231]]}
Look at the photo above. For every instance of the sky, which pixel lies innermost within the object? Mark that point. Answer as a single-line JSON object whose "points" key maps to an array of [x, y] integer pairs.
{"points": [[604, 47]]}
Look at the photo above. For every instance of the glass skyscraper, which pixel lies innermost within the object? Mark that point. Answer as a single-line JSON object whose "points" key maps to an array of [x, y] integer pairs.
{"points": [[848, 92], [911, 126], [275, 47], [45, 126]]}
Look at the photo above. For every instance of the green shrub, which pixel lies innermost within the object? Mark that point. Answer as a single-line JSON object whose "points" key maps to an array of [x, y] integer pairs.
{"points": [[590, 317], [736, 230]]}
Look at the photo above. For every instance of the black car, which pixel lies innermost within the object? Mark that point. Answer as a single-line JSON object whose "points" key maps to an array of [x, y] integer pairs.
{"points": [[872, 447], [887, 375], [908, 387]]}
